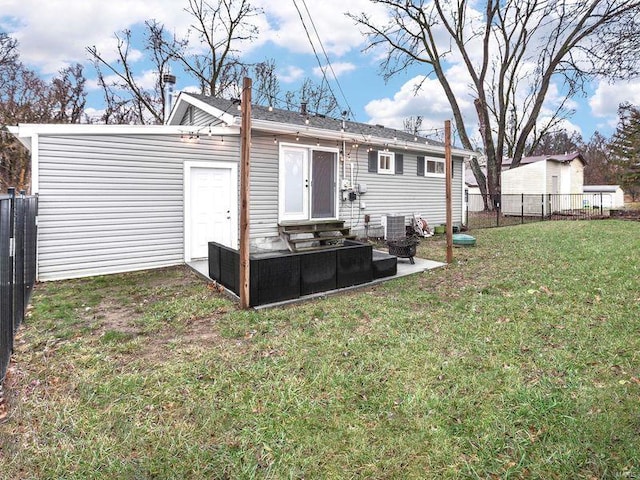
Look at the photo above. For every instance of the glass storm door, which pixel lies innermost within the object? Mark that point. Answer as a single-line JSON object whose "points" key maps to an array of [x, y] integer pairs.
{"points": [[294, 184], [307, 183], [323, 183]]}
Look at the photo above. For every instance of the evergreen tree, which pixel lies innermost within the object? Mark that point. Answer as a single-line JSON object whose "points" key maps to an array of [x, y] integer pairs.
{"points": [[625, 148]]}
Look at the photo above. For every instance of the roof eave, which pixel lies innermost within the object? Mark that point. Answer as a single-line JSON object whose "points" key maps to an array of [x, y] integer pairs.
{"points": [[185, 100], [324, 134]]}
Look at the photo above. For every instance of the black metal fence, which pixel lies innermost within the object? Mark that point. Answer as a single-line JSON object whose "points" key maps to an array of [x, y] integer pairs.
{"points": [[18, 230], [507, 209]]}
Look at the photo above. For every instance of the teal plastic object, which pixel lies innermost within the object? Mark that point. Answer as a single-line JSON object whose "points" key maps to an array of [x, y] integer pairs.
{"points": [[463, 240]]}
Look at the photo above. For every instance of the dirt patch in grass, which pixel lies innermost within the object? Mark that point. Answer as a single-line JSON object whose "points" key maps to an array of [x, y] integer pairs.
{"points": [[140, 315]]}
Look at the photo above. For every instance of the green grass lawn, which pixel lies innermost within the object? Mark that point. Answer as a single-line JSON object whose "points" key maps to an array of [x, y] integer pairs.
{"points": [[520, 360]]}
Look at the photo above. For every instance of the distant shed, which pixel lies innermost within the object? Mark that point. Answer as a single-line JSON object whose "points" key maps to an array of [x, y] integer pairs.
{"points": [[605, 196]]}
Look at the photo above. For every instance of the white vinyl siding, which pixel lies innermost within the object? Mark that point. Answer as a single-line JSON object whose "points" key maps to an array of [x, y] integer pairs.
{"points": [[402, 194], [195, 116], [527, 179], [114, 203], [264, 188]]}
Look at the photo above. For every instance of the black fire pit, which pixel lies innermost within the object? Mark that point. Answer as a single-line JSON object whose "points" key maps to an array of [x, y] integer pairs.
{"points": [[403, 247]]}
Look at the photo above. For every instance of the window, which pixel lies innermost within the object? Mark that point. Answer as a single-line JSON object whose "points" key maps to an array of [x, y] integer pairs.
{"points": [[386, 163], [434, 166]]}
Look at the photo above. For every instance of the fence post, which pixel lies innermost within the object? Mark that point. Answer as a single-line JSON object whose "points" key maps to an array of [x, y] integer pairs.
{"points": [[542, 208], [601, 207], [521, 208], [466, 202], [18, 258], [12, 252]]}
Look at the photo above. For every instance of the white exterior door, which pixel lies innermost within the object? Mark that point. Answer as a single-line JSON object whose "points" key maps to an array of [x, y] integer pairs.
{"points": [[210, 208]]}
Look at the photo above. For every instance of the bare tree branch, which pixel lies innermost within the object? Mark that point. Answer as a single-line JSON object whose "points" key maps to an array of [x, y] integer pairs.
{"points": [[513, 52]]}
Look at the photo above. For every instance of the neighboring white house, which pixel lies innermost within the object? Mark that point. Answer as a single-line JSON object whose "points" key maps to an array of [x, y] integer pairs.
{"points": [[475, 202], [559, 178], [605, 196], [116, 198]]}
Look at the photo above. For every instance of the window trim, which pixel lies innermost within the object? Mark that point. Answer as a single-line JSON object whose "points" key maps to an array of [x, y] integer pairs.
{"points": [[392, 163], [439, 160]]}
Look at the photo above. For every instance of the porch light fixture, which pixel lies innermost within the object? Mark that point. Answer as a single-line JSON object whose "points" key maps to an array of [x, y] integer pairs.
{"points": [[317, 142], [306, 121], [275, 140], [297, 136]]}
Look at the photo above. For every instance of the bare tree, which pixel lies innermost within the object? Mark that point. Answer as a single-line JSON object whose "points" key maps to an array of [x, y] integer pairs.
{"points": [[68, 95], [556, 142], [513, 51], [317, 96], [208, 54], [218, 26], [26, 98], [412, 124], [266, 87], [600, 170], [8, 53], [127, 100]]}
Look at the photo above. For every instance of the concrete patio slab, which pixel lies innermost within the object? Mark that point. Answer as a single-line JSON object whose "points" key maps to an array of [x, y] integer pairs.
{"points": [[405, 268]]}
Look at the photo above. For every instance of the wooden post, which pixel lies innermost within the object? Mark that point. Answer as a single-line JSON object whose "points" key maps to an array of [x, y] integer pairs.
{"points": [[245, 168], [448, 176]]}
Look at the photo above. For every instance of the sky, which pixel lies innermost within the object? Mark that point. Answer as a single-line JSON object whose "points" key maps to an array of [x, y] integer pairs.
{"points": [[53, 34]]}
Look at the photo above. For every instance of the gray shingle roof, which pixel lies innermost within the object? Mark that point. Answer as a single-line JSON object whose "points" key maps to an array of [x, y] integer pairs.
{"points": [[567, 157], [356, 129]]}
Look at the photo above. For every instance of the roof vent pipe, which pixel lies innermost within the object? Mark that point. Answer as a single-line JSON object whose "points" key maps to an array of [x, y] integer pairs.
{"points": [[303, 108], [169, 82]]}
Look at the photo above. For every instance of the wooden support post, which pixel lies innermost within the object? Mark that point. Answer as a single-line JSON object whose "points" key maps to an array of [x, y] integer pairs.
{"points": [[245, 168], [448, 176]]}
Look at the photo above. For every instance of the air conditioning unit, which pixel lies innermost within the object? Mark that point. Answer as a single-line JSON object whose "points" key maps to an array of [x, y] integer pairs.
{"points": [[394, 227]]}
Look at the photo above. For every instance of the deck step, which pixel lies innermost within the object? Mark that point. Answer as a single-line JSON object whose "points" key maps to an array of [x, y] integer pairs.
{"points": [[298, 235], [315, 231], [320, 239]]}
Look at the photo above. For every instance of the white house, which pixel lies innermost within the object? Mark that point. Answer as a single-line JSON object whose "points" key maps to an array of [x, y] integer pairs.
{"points": [[475, 202], [116, 198], [559, 178]]}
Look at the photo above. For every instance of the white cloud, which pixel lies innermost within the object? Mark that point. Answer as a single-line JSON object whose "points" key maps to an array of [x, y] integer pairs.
{"points": [[429, 102], [338, 33], [290, 74], [55, 33], [338, 68], [607, 97]]}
